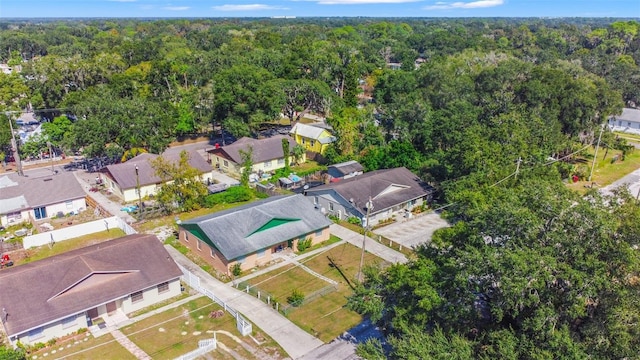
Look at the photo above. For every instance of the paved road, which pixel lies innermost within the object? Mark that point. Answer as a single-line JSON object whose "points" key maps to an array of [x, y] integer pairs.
{"points": [[414, 231], [631, 180], [295, 341], [344, 347], [371, 245]]}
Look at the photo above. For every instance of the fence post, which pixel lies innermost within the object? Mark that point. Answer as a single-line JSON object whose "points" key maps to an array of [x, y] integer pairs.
{"points": [[277, 306], [258, 294], [268, 300], [247, 289]]}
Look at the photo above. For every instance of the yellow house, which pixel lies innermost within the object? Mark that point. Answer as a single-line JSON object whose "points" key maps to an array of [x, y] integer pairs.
{"points": [[267, 155], [312, 138], [136, 175]]}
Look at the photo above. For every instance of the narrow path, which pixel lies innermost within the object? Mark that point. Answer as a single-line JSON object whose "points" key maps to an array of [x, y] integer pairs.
{"points": [[129, 345], [371, 245]]}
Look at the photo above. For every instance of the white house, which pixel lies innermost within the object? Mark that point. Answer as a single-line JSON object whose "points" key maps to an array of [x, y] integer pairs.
{"points": [[628, 121], [23, 198], [61, 294]]}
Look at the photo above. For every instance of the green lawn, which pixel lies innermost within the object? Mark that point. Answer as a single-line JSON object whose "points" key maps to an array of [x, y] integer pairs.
{"points": [[325, 317], [45, 251], [177, 331], [86, 347], [605, 172]]}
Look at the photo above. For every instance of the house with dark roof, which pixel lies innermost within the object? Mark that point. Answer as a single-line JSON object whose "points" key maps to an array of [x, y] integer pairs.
{"points": [[249, 235], [312, 138], [344, 170], [390, 191], [267, 154], [628, 121], [23, 198], [58, 295], [137, 174]]}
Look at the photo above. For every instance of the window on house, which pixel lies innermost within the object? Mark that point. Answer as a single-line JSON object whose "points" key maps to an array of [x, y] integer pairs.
{"points": [[69, 322], [267, 164], [14, 216], [331, 206], [164, 287], [136, 297], [318, 233], [225, 163], [213, 254], [186, 236], [303, 141], [316, 200], [36, 334], [260, 253], [313, 143], [281, 161], [69, 204], [241, 260], [198, 244], [629, 123]]}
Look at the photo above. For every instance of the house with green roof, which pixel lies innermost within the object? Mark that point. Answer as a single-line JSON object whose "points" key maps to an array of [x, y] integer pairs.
{"points": [[249, 235]]}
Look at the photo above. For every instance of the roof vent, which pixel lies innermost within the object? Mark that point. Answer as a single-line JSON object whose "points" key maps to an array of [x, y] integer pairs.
{"points": [[47, 179]]}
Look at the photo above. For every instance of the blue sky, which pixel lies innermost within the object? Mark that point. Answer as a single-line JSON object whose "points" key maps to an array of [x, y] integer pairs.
{"points": [[316, 8]]}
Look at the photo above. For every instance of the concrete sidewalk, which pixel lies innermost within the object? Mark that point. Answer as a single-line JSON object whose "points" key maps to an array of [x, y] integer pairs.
{"points": [[371, 245], [295, 341]]}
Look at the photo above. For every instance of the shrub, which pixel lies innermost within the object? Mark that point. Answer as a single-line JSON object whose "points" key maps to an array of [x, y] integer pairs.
{"points": [[354, 220], [296, 298], [333, 218], [52, 341], [232, 195], [304, 244], [236, 270], [82, 331]]}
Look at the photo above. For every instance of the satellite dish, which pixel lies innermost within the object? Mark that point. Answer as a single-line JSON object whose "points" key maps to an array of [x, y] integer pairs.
{"points": [[351, 200]]}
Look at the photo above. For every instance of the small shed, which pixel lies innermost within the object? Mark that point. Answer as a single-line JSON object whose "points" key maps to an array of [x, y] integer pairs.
{"points": [[285, 183]]}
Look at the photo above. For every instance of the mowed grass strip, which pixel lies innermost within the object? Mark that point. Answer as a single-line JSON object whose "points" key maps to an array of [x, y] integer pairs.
{"points": [[45, 251], [281, 283], [104, 347]]}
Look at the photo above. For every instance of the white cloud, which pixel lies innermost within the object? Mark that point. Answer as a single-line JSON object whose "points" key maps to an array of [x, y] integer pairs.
{"points": [[176, 8], [362, 2], [248, 7], [465, 5]]}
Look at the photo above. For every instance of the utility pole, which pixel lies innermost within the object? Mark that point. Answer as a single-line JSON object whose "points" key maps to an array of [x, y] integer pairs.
{"points": [[14, 147], [138, 188], [595, 154], [364, 240]]}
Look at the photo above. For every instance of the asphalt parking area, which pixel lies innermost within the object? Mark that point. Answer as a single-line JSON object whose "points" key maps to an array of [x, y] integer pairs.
{"points": [[414, 231]]}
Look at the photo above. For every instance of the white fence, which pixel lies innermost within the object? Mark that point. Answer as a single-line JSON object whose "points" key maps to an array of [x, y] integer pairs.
{"points": [[204, 346], [243, 326], [75, 231]]}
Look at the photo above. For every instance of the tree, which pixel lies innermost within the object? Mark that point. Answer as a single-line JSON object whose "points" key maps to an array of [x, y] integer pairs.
{"points": [[247, 165], [286, 152], [181, 187]]}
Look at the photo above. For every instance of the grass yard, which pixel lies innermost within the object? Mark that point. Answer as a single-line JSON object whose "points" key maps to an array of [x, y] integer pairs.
{"points": [[605, 172], [325, 317], [41, 252], [177, 331], [86, 347]]}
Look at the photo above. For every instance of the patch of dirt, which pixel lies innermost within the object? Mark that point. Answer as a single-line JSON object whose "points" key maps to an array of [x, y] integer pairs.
{"points": [[162, 232]]}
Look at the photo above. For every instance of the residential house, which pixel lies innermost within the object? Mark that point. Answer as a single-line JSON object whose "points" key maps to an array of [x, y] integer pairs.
{"points": [[24, 198], [266, 155], [125, 179], [391, 192], [56, 296], [344, 170], [249, 235], [312, 138], [628, 121]]}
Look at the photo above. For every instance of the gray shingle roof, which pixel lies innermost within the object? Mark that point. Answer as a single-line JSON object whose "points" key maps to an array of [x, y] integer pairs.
{"points": [[246, 229], [629, 114], [41, 191], [54, 288], [125, 173], [311, 132], [345, 168], [376, 184], [263, 149]]}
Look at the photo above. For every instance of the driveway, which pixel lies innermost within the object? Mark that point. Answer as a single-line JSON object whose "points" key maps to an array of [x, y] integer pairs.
{"points": [[631, 180], [412, 232]]}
